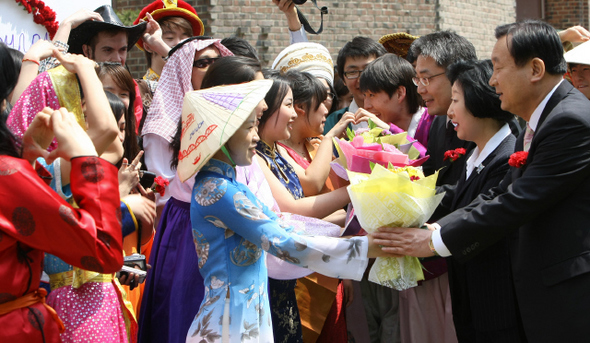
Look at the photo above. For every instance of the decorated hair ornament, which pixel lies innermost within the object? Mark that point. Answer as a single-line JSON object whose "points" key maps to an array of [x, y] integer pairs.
{"points": [[308, 57], [454, 155], [518, 159]]}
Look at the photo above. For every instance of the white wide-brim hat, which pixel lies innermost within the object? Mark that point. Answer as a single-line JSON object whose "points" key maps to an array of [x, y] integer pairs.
{"points": [[309, 57], [210, 117], [579, 54]]}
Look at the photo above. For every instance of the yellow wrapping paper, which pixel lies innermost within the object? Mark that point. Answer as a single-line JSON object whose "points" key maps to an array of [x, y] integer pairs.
{"points": [[391, 198]]}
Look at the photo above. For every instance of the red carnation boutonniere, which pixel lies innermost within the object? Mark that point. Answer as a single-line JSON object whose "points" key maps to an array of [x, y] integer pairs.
{"points": [[518, 159], [453, 155], [160, 184]]}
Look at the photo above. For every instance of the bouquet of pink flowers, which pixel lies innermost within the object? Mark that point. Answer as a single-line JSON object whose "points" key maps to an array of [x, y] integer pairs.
{"points": [[388, 188], [376, 146]]}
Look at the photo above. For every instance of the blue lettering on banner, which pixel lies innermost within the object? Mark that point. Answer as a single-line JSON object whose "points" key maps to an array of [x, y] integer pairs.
{"points": [[21, 44]]}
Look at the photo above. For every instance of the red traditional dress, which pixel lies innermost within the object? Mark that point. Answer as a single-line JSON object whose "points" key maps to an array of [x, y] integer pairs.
{"points": [[33, 220]]}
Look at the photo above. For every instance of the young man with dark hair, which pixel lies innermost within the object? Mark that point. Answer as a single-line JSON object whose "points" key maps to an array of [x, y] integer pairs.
{"points": [[105, 41], [541, 203], [352, 60], [391, 100]]}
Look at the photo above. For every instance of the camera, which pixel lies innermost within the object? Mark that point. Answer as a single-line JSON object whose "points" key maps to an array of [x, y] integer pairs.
{"points": [[135, 260], [147, 179], [130, 265], [126, 270]]}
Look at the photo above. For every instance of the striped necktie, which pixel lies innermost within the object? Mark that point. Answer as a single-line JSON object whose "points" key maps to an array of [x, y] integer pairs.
{"points": [[528, 137]]}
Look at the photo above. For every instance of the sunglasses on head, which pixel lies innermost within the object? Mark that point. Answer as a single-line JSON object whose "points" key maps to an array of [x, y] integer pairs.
{"points": [[204, 62], [181, 44]]}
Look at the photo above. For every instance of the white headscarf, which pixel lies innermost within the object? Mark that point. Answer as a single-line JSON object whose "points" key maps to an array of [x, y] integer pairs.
{"points": [[175, 81]]}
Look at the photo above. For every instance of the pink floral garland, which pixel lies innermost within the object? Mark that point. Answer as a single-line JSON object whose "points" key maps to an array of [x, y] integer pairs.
{"points": [[42, 14]]}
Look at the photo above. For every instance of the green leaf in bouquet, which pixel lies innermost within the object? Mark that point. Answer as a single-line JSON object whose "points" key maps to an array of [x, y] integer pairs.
{"points": [[350, 134], [371, 165], [372, 125]]}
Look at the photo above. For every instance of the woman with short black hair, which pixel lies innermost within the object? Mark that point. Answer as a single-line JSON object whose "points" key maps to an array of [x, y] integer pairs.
{"points": [[482, 294]]}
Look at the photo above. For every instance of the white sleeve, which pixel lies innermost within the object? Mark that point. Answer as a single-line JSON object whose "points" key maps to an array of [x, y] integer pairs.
{"points": [[298, 36], [438, 243], [157, 157]]}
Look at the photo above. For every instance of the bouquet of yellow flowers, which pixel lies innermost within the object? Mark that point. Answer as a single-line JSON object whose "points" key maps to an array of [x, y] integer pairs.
{"points": [[392, 191]]}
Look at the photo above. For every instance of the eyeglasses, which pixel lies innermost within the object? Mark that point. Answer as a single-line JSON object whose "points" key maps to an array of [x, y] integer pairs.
{"points": [[204, 62], [353, 74], [331, 96], [425, 81]]}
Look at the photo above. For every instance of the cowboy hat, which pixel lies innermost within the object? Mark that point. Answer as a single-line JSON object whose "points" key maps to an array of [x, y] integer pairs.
{"points": [[88, 29]]}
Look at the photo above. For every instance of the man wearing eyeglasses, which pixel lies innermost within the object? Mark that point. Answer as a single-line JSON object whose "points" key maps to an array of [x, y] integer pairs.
{"points": [[433, 53], [352, 59]]}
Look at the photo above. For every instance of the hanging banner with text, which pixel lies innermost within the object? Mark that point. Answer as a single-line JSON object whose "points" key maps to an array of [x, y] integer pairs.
{"points": [[18, 29]]}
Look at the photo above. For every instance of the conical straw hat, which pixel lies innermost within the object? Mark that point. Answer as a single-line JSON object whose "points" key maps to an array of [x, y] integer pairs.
{"points": [[210, 117]]}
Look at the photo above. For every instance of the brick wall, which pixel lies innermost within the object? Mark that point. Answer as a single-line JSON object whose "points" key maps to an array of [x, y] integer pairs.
{"points": [[265, 27], [476, 20], [566, 13]]}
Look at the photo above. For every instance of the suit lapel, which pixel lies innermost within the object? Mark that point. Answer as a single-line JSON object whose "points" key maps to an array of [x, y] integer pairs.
{"points": [[560, 93]]}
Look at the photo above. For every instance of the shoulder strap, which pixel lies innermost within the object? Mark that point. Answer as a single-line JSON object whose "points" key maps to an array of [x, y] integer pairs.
{"points": [[305, 23]]}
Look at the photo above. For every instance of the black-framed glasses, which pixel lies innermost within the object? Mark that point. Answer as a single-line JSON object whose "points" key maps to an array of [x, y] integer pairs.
{"points": [[353, 74], [204, 62], [425, 81]]}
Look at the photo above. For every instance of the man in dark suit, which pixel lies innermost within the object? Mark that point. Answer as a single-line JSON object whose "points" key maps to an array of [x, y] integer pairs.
{"points": [[432, 55], [541, 206]]}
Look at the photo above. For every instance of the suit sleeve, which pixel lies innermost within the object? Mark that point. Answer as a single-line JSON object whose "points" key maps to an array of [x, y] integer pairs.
{"points": [[559, 160], [88, 237]]}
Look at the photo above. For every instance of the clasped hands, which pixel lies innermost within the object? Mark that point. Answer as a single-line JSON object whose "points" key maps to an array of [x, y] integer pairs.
{"points": [[397, 241], [71, 138]]}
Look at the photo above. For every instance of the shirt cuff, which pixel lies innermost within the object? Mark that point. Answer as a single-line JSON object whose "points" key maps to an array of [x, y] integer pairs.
{"points": [[438, 243], [298, 36]]}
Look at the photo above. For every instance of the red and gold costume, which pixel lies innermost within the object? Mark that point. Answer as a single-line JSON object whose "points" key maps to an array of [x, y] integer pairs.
{"points": [[33, 220]]}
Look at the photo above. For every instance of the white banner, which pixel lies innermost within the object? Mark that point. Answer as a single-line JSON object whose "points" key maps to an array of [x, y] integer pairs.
{"points": [[19, 31]]}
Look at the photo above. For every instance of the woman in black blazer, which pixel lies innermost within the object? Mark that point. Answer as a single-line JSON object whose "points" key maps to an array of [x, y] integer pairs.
{"points": [[484, 306]]}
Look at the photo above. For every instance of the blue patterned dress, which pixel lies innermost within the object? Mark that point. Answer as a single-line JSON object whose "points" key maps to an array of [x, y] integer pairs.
{"points": [[232, 230]]}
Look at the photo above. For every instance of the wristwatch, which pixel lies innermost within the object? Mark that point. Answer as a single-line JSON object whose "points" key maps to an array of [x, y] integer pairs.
{"points": [[431, 246]]}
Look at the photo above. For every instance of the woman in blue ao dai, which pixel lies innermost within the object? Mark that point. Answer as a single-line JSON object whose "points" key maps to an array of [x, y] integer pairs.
{"points": [[233, 231]]}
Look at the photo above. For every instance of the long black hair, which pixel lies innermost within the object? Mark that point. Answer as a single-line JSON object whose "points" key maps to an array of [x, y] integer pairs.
{"points": [[274, 97], [9, 69], [225, 71], [308, 91], [124, 80]]}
